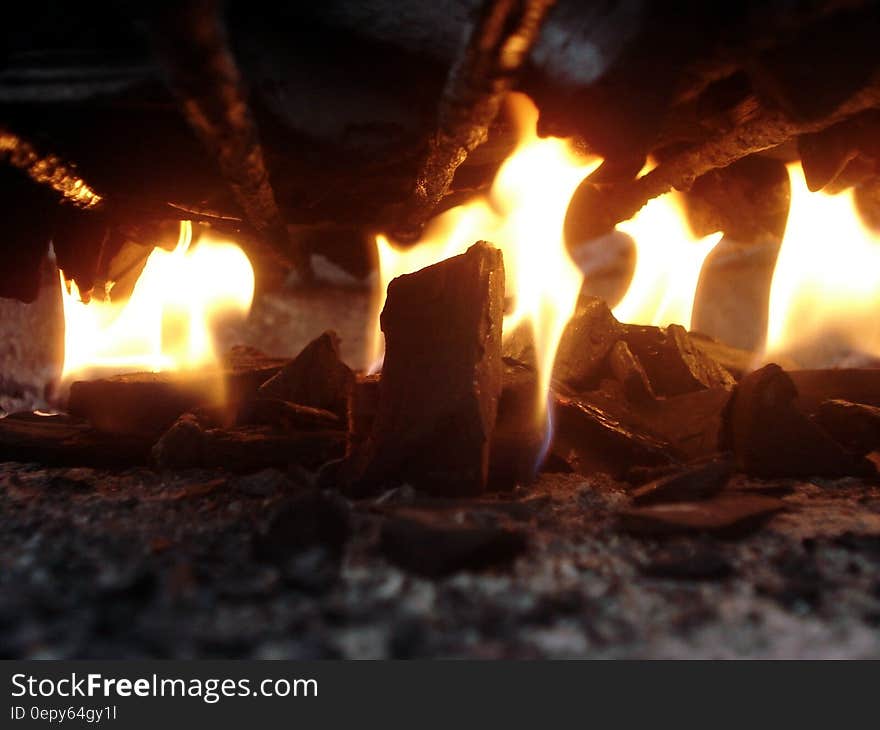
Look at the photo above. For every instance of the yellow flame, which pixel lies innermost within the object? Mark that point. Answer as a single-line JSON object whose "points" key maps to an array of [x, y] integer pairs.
{"points": [[669, 259], [523, 215], [165, 324], [826, 283]]}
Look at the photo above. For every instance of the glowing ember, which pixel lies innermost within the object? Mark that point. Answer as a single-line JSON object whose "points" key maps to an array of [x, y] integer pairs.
{"points": [[669, 259], [166, 323], [523, 215], [826, 284]]}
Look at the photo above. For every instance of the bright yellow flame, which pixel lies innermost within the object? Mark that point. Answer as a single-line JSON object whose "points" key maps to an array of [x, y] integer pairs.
{"points": [[669, 259], [165, 324], [523, 215], [826, 284]]}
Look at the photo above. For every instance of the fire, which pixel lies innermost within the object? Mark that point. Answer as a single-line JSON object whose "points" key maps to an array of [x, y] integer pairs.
{"points": [[826, 284], [166, 323], [669, 259], [523, 215]]}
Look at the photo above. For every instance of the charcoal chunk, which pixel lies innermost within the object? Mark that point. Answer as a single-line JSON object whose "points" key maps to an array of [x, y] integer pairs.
{"points": [[727, 515], [695, 482]]}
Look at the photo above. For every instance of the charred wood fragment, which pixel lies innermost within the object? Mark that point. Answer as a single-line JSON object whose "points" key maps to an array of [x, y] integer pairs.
{"points": [[628, 371], [855, 425], [316, 377], [442, 375], [148, 403], [591, 440], [772, 437], [583, 348], [498, 47], [695, 482], [63, 441], [674, 364], [286, 416]]}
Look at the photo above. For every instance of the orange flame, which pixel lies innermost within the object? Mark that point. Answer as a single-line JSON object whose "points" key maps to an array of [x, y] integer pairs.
{"points": [[165, 324], [826, 283], [523, 215], [669, 259]]}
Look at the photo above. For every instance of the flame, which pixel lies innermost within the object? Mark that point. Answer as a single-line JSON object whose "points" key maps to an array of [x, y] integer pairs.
{"points": [[669, 259], [165, 324], [826, 283], [523, 215]]}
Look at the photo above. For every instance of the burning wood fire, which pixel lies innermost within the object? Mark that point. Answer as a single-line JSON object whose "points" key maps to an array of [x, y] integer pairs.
{"points": [[166, 323], [523, 215], [826, 285]]}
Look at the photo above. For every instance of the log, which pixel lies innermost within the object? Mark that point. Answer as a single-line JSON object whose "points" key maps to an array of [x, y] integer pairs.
{"points": [[772, 437], [148, 403], [441, 378]]}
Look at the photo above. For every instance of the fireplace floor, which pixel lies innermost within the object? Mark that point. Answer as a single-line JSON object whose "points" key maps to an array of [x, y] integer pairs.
{"points": [[197, 564]]}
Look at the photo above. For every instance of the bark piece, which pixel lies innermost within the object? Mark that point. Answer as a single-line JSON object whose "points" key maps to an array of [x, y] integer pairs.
{"points": [[855, 425], [628, 371], [696, 482], [442, 375], [63, 441], [426, 545], [772, 437], [148, 403], [674, 364], [727, 515], [316, 377], [590, 440]]}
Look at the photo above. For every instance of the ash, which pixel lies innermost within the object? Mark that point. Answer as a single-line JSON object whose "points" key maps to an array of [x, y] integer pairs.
{"points": [[204, 564]]}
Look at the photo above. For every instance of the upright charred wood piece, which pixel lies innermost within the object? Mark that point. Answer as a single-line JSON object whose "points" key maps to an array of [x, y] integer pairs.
{"points": [[442, 375]]}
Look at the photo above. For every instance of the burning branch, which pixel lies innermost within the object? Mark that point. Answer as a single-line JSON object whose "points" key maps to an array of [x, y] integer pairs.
{"points": [[477, 83], [597, 208], [192, 45]]}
